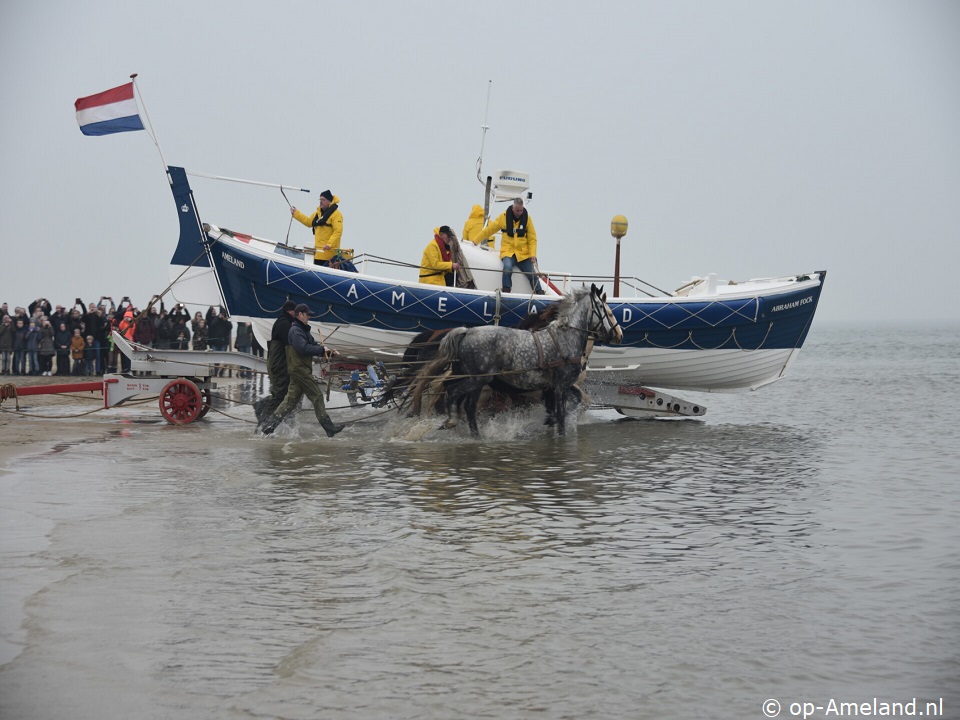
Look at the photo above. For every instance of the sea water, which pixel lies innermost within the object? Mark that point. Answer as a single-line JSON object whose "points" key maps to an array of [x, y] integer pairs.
{"points": [[795, 548]]}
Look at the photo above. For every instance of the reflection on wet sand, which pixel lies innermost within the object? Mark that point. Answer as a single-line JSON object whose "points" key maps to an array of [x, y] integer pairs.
{"points": [[650, 489]]}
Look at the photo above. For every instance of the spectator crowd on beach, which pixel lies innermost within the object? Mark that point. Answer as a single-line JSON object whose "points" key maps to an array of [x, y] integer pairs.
{"points": [[46, 339]]}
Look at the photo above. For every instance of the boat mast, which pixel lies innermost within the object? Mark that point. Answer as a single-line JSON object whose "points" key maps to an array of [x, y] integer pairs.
{"points": [[483, 136]]}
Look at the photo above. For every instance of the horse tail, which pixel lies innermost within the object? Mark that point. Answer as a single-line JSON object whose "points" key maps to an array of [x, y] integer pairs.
{"points": [[450, 345], [446, 354], [422, 344], [421, 349]]}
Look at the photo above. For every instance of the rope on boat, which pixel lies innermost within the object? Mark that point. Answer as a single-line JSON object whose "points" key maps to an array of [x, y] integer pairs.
{"points": [[689, 339], [173, 282]]}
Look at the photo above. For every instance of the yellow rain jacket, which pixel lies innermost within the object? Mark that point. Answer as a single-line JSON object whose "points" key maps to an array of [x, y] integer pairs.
{"points": [[474, 225], [433, 266], [328, 233], [523, 246]]}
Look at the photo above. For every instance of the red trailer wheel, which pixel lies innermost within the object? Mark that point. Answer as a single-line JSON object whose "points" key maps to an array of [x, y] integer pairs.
{"points": [[207, 397], [181, 402]]}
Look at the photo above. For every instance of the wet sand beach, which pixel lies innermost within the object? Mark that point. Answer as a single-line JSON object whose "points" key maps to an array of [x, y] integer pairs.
{"points": [[44, 420], [797, 543]]}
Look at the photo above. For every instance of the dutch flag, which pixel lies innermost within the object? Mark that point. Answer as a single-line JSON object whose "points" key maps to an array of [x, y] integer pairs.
{"points": [[111, 111]]}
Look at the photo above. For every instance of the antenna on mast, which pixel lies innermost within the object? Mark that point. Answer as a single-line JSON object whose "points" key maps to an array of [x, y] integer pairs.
{"points": [[483, 136]]}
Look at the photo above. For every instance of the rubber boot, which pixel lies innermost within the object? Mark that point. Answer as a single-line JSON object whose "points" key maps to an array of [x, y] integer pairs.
{"points": [[505, 290], [258, 407], [268, 424], [330, 426]]}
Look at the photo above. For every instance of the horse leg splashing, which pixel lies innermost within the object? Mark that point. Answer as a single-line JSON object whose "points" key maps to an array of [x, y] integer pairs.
{"points": [[575, 397]]}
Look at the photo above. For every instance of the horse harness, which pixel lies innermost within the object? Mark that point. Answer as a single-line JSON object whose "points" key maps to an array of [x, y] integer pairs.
{"points": [[542, 363]]}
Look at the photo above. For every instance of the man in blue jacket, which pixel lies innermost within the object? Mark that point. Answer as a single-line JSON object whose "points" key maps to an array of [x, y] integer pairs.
{"points": [[301, 349]]}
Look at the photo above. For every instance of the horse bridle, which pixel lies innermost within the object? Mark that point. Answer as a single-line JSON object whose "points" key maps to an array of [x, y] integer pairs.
{"points": [[599, 310]]}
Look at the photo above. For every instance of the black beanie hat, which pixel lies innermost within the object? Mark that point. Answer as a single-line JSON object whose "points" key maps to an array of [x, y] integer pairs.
{"points": [[327, 194]]}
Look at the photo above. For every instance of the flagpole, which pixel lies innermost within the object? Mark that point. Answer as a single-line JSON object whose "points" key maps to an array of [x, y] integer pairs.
{"points": [[153, 135]]}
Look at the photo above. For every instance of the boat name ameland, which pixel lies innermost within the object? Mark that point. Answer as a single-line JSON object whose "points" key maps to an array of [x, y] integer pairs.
{"points": [[231, 259], [400, 298]]}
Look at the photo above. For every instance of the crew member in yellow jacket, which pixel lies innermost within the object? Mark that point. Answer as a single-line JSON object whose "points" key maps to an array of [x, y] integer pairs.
{"points": [[518, 244], [327, 226], [437, 266], [474, 224]]}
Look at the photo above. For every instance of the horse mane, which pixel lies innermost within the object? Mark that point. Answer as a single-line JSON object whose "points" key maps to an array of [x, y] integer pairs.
{"points": [[568, 303], [535, 321], [559, 310]]}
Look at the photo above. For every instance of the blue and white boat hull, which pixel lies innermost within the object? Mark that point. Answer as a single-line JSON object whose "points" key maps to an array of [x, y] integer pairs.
{"points": [[713, 338]]}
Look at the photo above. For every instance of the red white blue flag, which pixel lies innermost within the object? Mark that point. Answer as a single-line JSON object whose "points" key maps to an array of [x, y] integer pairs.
{"points": [[111, 111]]}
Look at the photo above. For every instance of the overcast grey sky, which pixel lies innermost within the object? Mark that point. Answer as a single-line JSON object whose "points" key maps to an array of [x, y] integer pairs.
{"points": [[748, 138]]}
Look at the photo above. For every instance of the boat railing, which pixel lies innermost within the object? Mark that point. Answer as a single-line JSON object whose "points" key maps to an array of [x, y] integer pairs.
{"points": [[638, 286], [564, 282]]}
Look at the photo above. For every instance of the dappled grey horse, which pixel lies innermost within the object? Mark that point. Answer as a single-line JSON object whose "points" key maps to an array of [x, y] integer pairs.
{"points": [[411, 388], [547, 359]]}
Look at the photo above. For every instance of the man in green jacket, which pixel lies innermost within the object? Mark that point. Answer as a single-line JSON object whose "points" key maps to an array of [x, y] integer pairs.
{"points": [[277, 363], [301, 350]]}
